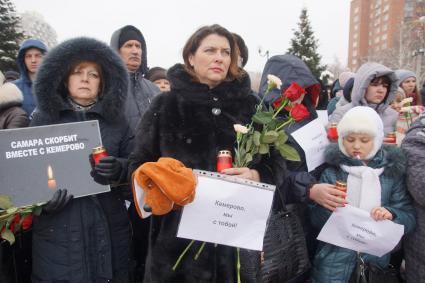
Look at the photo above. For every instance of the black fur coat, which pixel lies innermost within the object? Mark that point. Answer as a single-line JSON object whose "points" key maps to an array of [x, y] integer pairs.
{"points": [[181, 124]]}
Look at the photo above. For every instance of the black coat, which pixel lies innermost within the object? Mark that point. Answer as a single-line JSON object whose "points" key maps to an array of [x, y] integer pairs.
{"points": [[180, 124], [89, 240]]}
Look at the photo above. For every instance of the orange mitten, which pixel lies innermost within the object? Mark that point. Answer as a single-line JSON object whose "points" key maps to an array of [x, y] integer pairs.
{"points": [[164, 183]]}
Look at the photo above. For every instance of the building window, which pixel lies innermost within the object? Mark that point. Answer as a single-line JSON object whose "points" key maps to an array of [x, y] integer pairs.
{"points": [[356, 27], [376, 39], [354, 61], [384, 37], [356, 10], [354, 53]]}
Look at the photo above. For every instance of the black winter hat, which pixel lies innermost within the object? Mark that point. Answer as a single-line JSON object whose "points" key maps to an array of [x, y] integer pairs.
{"points": [[129, 33]]}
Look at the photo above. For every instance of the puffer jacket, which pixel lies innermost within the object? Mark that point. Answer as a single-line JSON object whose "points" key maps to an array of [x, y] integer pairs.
{"points": [[89, 240], [336, 264], [24, 82], [140, 91], [366, 73], [414, 244]]}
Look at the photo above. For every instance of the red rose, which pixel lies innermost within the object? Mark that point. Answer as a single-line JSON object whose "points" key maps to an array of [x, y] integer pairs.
{"points": [[299, 112], [14, 222], [276, 104], [26, 222], [294, 92]]}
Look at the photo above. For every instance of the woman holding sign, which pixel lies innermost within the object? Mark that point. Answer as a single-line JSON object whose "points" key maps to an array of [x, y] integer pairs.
{"points": [[192, 123], [85, 239]]}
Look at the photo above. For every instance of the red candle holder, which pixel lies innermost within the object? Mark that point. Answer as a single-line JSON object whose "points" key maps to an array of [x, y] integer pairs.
{"points": [[224, 160], [333, 133], [98, 153]]}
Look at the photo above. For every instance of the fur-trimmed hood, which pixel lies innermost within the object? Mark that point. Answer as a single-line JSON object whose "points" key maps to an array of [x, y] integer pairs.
{"points": [[182, 82], [389, 156], [10, 95], [49, 86]]}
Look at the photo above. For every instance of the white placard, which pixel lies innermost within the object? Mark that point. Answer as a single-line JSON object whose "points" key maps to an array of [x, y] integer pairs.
{"points": [[353, 228], [313, 140], [227, 212], [323, 116]]}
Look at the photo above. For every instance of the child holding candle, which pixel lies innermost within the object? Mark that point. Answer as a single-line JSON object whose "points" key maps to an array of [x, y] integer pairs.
{"points": [[374, 175]]}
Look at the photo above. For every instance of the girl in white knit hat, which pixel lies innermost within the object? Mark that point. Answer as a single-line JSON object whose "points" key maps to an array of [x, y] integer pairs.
{"points": [[374, 175]]}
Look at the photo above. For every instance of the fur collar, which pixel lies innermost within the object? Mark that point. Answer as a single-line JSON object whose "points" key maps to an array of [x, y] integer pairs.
{"points": [[49, 88], [10, 95], [389, 156], [183, 83]]}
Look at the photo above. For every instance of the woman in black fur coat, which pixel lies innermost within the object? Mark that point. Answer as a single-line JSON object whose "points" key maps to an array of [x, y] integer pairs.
{"points": [[191, 123], [85, 239]]}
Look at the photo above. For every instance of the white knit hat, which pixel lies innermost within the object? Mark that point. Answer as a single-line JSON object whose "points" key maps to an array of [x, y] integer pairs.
{"points": [[361, 120]]}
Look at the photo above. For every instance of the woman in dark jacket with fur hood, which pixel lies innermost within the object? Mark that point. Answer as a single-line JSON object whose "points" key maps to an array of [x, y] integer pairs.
{"points": [[191, 123], [85, 239]]}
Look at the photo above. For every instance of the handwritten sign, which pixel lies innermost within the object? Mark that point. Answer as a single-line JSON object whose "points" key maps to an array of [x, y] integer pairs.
{"points": [[353, 228], [36, 161], [227, 212], [313, 140]]}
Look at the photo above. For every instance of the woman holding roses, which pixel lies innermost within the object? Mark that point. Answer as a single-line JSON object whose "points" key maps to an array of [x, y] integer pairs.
{"points": [[192, 123]]}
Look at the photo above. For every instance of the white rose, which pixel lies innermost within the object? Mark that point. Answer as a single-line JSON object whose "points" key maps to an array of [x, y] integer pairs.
{"points": [[240, 129], [274, 81], [406, 100], [407, 109]]}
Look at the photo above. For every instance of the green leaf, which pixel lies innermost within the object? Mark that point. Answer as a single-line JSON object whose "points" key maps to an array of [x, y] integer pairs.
{"points": [[248, 158], [8, 236], [12, 210], [283, 137], [256, 138], [264, 149], [37, 210], [289, 152], [5, 202], [269, 137], [249, 143], [262, 117]]}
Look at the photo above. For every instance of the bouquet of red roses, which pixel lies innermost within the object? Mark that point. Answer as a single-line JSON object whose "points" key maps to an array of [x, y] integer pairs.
{"points": [[15, 219], [266, 128]]}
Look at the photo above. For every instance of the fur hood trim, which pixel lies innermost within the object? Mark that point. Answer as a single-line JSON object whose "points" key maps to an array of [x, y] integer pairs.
{"points": [[10, 95], [49, 86], [389, 156]]}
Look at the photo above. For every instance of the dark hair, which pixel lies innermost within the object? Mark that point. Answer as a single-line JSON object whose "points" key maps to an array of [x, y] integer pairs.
{"points": [[63, 87], [243, 50], [194, 42], [383, 80]]}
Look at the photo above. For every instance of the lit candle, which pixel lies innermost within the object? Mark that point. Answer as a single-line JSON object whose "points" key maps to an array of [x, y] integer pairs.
{"points": [[51, 182]]}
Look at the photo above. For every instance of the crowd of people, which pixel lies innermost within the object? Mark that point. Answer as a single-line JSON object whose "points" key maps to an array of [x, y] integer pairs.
{"points": [[188, 113]]}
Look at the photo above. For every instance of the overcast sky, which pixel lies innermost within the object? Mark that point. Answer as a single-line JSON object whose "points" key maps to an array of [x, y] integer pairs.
{"points": [[166, 24]]}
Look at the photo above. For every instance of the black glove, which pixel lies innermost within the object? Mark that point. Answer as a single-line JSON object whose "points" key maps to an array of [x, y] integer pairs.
{"points": [[107, 170], [59, 200]]}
